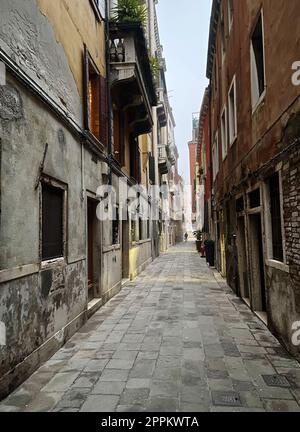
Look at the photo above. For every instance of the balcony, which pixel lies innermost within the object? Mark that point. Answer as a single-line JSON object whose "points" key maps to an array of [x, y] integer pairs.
{"points": [[171, 154], [163, 162], [132, 82], [161, 108]]}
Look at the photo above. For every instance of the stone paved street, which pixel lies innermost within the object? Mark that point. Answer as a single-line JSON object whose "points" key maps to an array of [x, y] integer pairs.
{"points": [[175, 339]]}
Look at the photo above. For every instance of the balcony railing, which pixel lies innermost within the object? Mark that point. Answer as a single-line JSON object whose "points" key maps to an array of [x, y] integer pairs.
{"points": [[163, 162], [131, 74]]}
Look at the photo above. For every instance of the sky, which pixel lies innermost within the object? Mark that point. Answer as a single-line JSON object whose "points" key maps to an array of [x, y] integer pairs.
{"points": [[184, 30]]}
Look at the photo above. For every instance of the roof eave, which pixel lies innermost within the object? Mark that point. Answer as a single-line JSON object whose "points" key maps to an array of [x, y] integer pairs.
{"points": [[212, 36]]}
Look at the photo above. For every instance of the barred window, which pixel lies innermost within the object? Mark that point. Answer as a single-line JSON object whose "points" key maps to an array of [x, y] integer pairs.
{"points": [[52, 222]]}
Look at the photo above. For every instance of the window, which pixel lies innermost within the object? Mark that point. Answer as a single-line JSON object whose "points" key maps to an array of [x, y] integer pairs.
{"points": [[135, 159], [257, 62], [116, 227], [276, 215], [254, 199], [224, 133], [239, 205], [118, 134], [141, 231], [230, 14], [232, 112], [215, 154], [95, 110], [223, 36], [52, 222], [215, 77], [99, 8]]}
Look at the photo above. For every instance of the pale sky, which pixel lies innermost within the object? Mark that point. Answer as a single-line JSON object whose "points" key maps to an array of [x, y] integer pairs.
{"points": [[184, 30]]}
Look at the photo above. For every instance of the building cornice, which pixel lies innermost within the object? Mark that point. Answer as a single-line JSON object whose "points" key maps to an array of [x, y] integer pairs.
{"points": [[215, 12], [203, 114]]}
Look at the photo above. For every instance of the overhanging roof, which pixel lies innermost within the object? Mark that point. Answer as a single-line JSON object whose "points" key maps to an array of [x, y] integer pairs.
{"points": [[212, 36]]}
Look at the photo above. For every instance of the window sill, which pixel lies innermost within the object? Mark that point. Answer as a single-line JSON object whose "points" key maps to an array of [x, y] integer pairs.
{"points": [[140, 242], [111, 248], [233, 141], [259, 102], [53, 263], [224, 158], [278, 265]]}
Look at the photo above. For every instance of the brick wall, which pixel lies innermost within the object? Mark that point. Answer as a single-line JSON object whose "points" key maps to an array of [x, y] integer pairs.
{"points": [[291, 203]]}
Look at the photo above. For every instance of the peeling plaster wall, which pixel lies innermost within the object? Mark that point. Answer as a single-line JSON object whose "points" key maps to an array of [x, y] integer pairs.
{"points": [[28, 38], [23, 143], [35, 307], [43, 306]]}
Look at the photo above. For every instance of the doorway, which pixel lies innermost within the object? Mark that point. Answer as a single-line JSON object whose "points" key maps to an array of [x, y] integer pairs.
{"points": [[242, 260], [93, 246], [125, 249], [259, 302]]}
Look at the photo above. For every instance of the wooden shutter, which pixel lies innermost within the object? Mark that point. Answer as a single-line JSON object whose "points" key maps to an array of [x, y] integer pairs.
{"points": [[122, 138], [103, 111], [117, 147], [86, 103]]}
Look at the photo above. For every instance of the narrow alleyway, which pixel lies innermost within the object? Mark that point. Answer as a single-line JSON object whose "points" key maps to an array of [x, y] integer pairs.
{"points": [[175, 339]]}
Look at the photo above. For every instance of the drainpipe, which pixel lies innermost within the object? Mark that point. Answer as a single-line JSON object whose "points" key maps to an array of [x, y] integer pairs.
{"points": [[108, 75]]}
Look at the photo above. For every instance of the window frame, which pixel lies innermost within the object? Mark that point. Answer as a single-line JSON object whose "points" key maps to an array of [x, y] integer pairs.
{"points": [[232, 134], [97, 10], [224, 133], [230, 12], [49, 181], [222, 36], [88, 63], [116, 240], [270, 260], [261, 97], [216, 159]]}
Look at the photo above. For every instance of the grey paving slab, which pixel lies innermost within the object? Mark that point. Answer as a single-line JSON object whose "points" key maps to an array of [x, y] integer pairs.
{"points": [[175, 339], [100, 403]]}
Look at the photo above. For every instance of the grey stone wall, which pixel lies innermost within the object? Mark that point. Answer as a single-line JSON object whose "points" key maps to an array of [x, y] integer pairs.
{"points": [[36, 307]]}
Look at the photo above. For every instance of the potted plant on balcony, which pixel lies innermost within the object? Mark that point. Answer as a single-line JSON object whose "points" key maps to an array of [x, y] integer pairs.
{"points": [[128, 11], [210, 252], [198, 235]]}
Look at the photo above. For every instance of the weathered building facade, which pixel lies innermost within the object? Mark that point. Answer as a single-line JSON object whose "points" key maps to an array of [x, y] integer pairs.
{"points": [[52, 162], [78, 109], [203, 172], [255, 140]]}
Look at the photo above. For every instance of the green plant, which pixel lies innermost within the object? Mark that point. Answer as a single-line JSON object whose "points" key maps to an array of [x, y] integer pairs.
{"points": [[209, 243], [154, 67], [198, 235], [130, 11]]}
